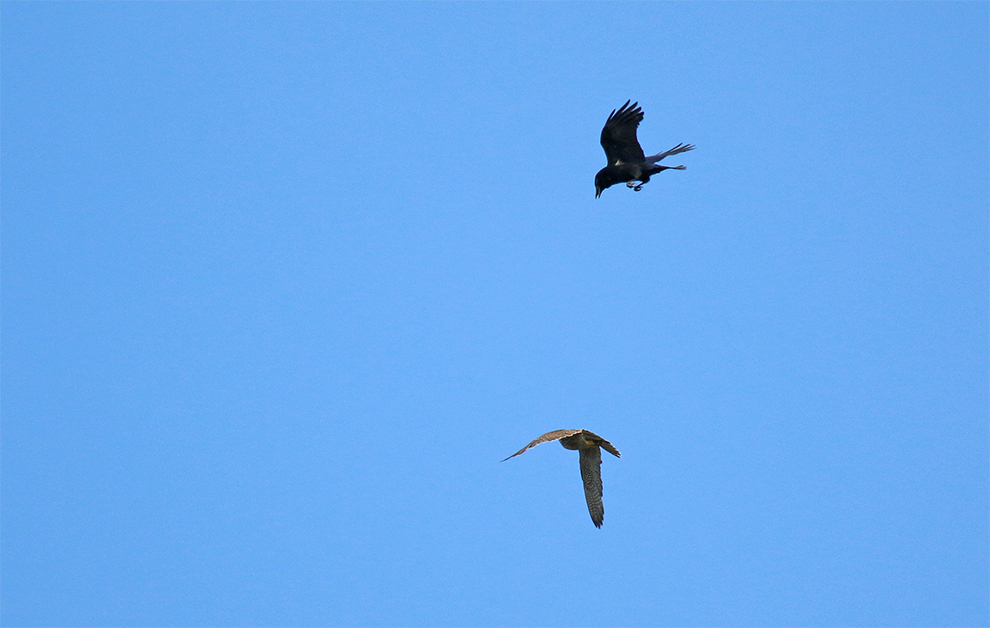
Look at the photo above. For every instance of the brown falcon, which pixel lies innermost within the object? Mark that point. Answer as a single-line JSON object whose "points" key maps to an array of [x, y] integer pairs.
{"points": [[589, 446]]}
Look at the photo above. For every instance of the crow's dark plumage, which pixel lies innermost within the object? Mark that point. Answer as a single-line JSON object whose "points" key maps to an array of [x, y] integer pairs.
{"points": [[626, 161]]}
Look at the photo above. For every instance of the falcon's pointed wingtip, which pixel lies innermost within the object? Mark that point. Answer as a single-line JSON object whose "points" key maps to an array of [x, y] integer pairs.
{"points": [[516, 454]]}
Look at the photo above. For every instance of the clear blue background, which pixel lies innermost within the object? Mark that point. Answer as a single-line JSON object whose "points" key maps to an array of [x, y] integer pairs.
{"points": [[282, 283]]}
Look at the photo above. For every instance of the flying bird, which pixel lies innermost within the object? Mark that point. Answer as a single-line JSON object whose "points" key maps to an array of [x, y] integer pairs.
{"points": [[626, 161], [589, 446]]}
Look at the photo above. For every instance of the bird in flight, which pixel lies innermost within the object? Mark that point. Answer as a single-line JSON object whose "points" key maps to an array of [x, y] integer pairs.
{"points": [[626, 161], [589, 446]]}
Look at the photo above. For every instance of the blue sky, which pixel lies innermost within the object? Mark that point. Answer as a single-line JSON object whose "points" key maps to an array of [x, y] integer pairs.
{"points": [[283, 282]]}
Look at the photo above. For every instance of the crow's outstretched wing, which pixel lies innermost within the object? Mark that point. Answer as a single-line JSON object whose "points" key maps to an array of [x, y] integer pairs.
{"points": [[677, 150], [619, 135]]}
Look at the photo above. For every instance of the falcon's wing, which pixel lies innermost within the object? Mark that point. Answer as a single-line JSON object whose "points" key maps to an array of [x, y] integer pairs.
{"points": [[609, 447], [549, 436], [591, 473], [619, 135]]}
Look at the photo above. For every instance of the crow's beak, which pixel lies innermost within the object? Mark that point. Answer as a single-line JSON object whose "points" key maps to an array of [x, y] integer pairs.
{"points": [[598, 191]]}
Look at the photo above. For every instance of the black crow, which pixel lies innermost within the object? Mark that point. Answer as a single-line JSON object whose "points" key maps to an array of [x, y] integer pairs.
{"points": [[626, 161]]}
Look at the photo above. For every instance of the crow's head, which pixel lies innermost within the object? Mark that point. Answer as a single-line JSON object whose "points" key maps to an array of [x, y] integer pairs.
{"points": [[609, 176]]}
